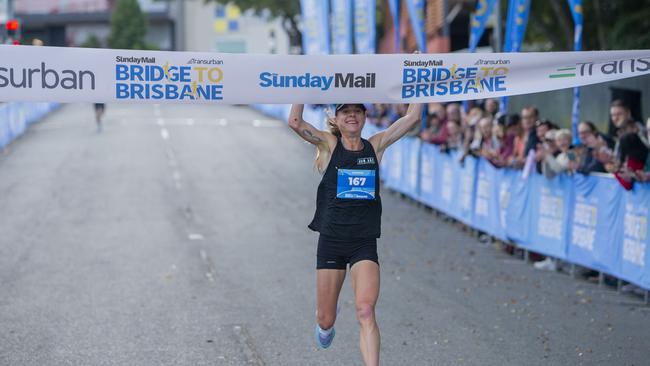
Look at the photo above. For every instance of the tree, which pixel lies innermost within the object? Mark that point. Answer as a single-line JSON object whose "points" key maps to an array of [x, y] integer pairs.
{"points": [[92, 42], [128, 26], [288, 11], [608, 25]]}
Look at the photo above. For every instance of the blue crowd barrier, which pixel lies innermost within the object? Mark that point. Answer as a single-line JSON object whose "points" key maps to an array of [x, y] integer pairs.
{"points": [[15, 117], [587, 220]]}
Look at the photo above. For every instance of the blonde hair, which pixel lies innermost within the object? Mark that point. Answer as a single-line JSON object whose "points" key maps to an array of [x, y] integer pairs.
{"points": [[330, 122], [332, 127], [563, 133]]}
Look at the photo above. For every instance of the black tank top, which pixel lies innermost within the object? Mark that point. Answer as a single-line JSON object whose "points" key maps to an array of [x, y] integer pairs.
{"points": [[347, 202]]}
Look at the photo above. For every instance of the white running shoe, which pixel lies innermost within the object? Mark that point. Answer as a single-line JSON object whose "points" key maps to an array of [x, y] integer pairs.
{"points": [[547, 264]]}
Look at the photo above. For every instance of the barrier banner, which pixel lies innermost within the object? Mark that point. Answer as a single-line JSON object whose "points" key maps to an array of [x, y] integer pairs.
{"points": [[15, 117], [364, 26], [487, 213], [17, 122], [596, 223], [398, 177], [103, 75], [5, 136], [518, 214], [342, 27], [315, 19], [411, 167], [458, 183], [505, 180], [634, 256], [447, 190], [395, 160], [428, 178], [550, 202]]}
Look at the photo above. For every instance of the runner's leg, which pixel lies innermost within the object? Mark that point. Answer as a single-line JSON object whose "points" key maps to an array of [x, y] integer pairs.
{"points": [[365, 281], [328, 288]]}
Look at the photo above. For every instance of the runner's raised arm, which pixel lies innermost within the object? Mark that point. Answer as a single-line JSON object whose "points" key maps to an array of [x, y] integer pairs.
{"points": [[308, 132], [382, 140]]}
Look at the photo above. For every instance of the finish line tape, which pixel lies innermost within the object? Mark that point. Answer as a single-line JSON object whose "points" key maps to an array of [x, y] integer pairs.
{"points": [[56, 74]]}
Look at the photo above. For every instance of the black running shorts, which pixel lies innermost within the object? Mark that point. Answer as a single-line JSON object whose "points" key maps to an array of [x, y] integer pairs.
{"points": [[335, 253]]}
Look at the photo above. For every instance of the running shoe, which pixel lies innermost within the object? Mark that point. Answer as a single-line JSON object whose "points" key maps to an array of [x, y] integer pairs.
{"points": [[324, 341]]}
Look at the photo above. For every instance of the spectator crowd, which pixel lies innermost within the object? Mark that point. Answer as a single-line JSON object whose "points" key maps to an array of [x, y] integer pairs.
{"points": [[526, 141]]}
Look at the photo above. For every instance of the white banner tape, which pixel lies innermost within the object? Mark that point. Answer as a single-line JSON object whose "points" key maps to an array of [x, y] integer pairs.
{"points": [[55, 74]]}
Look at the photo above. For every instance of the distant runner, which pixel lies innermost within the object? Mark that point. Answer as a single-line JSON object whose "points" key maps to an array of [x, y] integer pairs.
{"points": [[99, 113]]}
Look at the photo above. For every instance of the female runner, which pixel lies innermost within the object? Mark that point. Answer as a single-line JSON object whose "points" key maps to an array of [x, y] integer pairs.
{"points": [[348, 215]]}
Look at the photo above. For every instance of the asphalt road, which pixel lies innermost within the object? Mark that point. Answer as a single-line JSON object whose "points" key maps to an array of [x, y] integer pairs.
{"points": [[178, 237]]}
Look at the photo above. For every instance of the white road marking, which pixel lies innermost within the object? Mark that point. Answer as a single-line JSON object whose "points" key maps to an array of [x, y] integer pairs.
{"points": [[177, 179], [160, 122], [266, 123], [195, 236], [223, 122], [164, 134], [190, 121]]}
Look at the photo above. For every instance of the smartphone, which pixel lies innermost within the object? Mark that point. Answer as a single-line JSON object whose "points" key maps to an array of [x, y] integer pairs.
{"points": [[571, 155]]}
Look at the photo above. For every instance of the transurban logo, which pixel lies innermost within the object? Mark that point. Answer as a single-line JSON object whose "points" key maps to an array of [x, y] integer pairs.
{"points": [[168, 82], [481, 62], [196, 61], [322, 82], [630, 65], [45, 78]]}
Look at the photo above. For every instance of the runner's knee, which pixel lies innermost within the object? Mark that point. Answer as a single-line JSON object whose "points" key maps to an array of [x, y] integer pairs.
{"points": [[365, 312]]}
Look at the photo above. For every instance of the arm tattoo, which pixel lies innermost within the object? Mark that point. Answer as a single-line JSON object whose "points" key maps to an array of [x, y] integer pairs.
{"points": [[311, 136]]}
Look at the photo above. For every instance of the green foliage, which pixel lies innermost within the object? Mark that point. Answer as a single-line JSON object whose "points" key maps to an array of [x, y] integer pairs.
{"points": [[92, 42], [128, 26], [380, 18], [608, 25]]}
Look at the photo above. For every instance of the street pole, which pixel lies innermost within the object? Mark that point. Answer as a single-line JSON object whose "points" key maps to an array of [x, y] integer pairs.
{"points": [[497, 31], [445, 25], [179, 27]]}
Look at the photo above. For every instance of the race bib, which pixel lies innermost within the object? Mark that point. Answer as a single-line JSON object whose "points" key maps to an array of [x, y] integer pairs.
{"points": [[356, 184]]}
